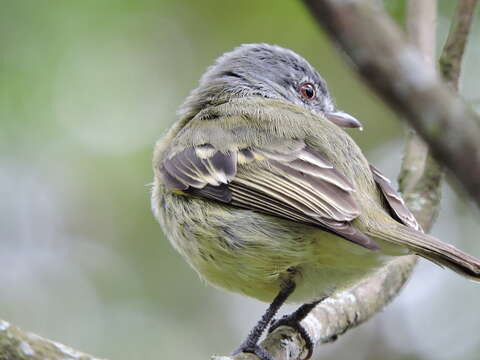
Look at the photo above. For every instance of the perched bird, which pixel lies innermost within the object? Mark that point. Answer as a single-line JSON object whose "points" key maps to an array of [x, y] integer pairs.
{"points": [[263, 193]]}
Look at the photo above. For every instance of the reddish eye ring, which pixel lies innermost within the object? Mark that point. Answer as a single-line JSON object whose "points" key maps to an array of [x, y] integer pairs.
{"points": [[307, 90]]}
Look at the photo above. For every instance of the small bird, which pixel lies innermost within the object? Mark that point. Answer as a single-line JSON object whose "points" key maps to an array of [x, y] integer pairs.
{"points": [[263, 193]]}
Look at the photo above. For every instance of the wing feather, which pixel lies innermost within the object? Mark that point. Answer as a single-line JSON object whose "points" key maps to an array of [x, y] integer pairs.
{"points": [[288, 180], [397, 206]]}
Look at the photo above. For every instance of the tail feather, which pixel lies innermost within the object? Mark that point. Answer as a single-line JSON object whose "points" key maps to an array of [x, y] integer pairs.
{"points": [[432, 249]]}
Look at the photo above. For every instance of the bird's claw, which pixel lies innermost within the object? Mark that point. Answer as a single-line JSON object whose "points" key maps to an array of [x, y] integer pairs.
{"points": [[293, 322]]}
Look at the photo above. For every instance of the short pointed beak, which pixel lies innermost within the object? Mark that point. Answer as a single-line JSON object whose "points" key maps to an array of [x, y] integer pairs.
{"points": [[343, 119]]}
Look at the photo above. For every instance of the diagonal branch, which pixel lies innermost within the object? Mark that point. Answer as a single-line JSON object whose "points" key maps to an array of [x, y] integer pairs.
{"points": [[452, 55], [16, 344]]}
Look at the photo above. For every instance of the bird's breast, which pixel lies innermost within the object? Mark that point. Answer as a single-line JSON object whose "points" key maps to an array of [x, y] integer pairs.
{"points": [[251, 253]]}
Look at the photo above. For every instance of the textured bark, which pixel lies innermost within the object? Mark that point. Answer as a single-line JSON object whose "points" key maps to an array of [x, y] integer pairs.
{"points": [[16, 344]]}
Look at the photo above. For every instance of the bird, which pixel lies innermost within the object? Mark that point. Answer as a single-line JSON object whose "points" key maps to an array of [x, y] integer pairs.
{"points": [[262, 191]]}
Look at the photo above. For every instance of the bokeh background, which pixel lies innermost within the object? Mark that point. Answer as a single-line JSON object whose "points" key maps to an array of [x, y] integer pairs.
{"points": [[86, 88]]}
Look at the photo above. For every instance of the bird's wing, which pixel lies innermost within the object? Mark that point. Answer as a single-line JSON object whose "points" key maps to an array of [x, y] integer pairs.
{"points": [[289, 180], [397, 206]]}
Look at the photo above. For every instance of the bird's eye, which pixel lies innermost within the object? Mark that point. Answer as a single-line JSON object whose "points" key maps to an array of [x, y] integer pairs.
{"points": [[307, 90]]}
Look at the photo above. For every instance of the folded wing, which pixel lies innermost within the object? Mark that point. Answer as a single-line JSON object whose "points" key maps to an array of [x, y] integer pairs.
{"points": [[290, 180]]}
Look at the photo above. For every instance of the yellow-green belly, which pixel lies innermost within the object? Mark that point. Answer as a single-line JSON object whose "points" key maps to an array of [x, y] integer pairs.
{"points": [[251, 253]]}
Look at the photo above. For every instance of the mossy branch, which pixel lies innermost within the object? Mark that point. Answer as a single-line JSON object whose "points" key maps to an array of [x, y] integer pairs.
{"points": [[16, 344]]}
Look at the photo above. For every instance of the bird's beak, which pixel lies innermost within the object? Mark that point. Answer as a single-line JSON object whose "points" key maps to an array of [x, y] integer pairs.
{"points": [[343, 119]]}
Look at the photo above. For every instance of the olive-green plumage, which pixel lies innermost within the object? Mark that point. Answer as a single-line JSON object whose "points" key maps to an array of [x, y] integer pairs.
{"points": [[256, 185]]}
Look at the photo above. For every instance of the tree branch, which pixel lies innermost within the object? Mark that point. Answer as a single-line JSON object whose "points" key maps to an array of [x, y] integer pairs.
{"points": [[15, 344], [421, 17], [335, 315], [451, 58], [428, 187], [420, 175], [347, 309]]}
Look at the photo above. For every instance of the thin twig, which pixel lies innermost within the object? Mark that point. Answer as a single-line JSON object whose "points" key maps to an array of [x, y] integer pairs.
{"points": [[452, 55]]}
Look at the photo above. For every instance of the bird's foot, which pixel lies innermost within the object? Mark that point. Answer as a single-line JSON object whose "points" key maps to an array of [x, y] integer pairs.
{"points": [[250, 345], [260, 352], [293, 321]]}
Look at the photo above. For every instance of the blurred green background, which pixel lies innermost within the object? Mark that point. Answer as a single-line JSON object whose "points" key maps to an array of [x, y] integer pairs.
{"points": [[86, 88]]}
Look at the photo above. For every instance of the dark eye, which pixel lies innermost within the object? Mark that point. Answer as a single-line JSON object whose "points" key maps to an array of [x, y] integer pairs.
{"points": [[307, 90]]}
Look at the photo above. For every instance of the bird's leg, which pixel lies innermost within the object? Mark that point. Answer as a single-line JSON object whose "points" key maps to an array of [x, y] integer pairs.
{"points": [[250, 344], [293, 320]]}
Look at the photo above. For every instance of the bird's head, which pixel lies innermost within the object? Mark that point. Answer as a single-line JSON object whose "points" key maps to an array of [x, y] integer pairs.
{"points": [[269, 71]]}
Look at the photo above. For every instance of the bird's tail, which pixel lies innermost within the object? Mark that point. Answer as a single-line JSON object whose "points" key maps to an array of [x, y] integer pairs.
{"points": [[431, 248]]}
